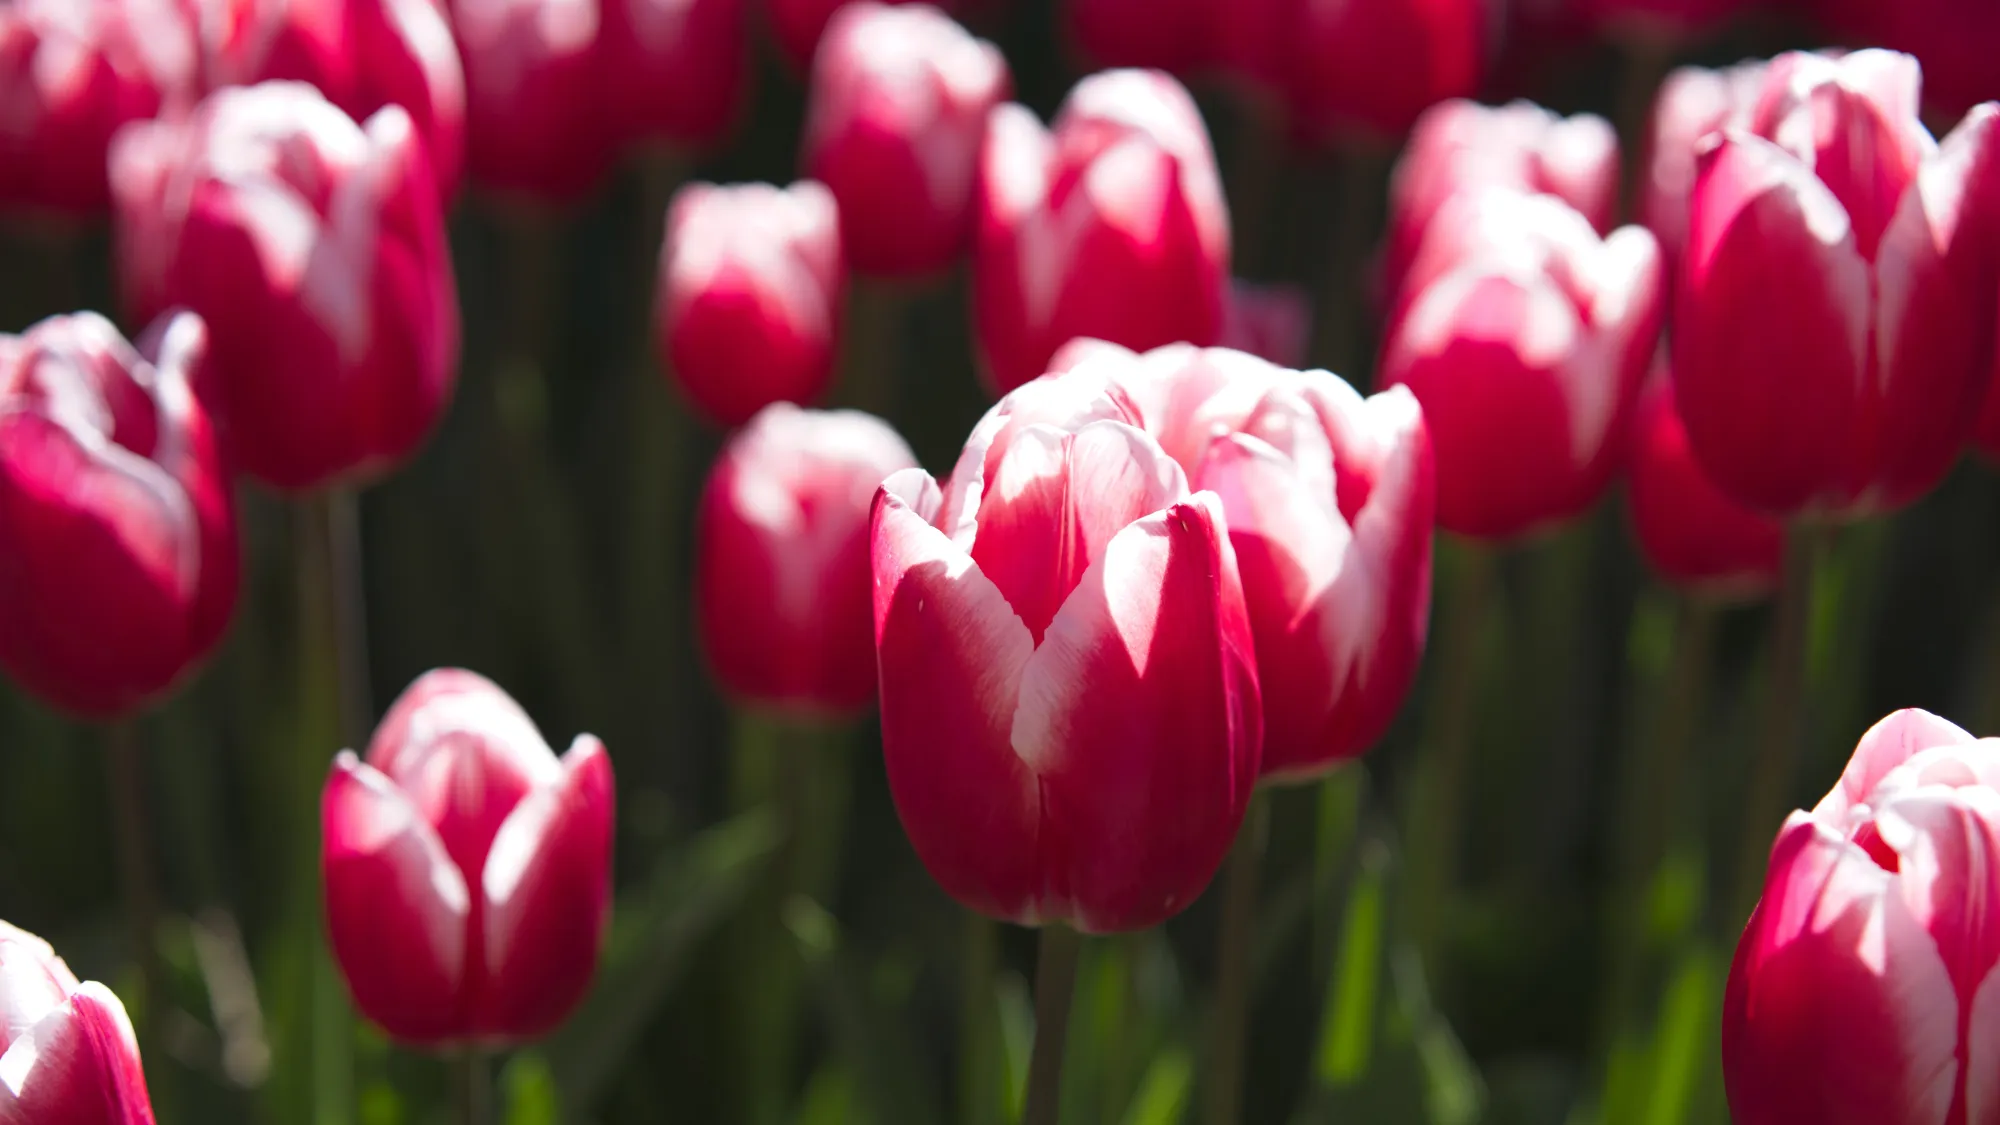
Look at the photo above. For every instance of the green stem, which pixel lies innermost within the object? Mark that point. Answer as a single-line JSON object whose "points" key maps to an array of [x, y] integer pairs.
{"points": [[1231, 1017], [348, 612], [1783, 722], [133, 827], [1055, 985], [473, 1087], [978, 1023]]}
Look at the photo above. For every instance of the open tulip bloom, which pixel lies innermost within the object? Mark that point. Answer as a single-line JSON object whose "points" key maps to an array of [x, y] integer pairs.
{"points": [[67, 1052]]}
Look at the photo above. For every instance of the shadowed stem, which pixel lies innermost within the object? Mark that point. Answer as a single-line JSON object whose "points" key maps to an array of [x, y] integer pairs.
{"points": [[133, 827], [1055, 985], [473, 1087], [1230, 1019], [349, 615], [979, 1031], [1783, 722]]}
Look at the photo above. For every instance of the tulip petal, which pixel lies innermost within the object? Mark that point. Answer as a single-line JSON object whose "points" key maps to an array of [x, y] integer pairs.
{"points": [[1888, 744], [33, 982], [1982, 1054], [78, 1066]]}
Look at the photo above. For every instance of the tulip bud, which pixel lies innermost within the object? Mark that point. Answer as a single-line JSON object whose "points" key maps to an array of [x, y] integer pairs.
{"points": [[118, 549], [782, 585], [1112, 226], [897, 110], [466, 869], [1953, 39], [72, 73], [749, 296], [1526, 337], [1692, 534], [1271, 322], [1069, 699], [1834, 332], [1460, 146], [315, 250], [1336, 69], [1692, 104], [67, 1052], [1863, 987], [677, 70], [537, 124]]}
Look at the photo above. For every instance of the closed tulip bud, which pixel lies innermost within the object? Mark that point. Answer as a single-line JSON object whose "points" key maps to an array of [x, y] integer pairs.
{"points": [[782, 583], [67, 1052], [315, 250], [677, 71], [1070, 717], [1864, 986], [1272, 322], [749, 296], [118, 548], [1834, 333], [1337, 76], [894, 120], [1693, 103], [1111, 226], [72, 73], [538, 125], [1953, 39], [1694, 536], [1460, 146], [1526, 337], [466, 869]]}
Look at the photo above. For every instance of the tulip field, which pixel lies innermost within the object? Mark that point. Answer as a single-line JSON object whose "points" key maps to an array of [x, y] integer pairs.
{"points": [[1112, 562]]}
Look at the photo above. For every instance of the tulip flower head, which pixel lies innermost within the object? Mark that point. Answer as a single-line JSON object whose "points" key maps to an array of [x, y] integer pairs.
{"points": [[118, 548], [1953, 39], [466, 869], [67, 1052], [1694, 536], [677, 70], [1170, 35], [1863, 988], [798, 26], [538, 125], [1693, 103], [782, 580], [1070, 717], [1334, 60]]}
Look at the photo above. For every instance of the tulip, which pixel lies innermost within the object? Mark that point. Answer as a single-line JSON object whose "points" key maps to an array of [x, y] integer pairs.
{"points": [[315, 250], [1271, 322], [1526, 337], [1460, 145], [1863, 987], [538, 124], [466, 869], [1337, 69], [798, 25], [67, 1052], [71, 73], [1953, 39], [1113, 226], [1692, 534], [1170, 35], [676, 70], [1692, 104], [894, 121], [749, 296], [781, 560], [118, 549], [1833, 332], [1069, 696]]}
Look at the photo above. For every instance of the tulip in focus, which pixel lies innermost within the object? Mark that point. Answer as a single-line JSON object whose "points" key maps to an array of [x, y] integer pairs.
{"points": [[676, 70], [1833, 333], [1112, 226], [1526, 337], [1069, 695], [749, 296], [898, 107], [118, 548], [539, 123], [467, 869], [315, 250], [782, 581], [67, 1052], [1271, 322], [1864, 987], [1692, 535]]}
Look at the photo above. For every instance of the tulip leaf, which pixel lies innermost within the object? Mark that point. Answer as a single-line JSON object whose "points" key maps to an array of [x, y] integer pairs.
{"points": [[1163, 1093], [528, 1091], [1347, 1028]]}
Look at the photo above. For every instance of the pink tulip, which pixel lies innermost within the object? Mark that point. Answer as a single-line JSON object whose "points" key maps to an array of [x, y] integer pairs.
{"points": [[467, 869], [1955, 40], [1070, 716], [538, 125], [894, 121], [677, 71], [1692, 534], [1693, 103], [1338, 60], [118, 549], [782, 583], [798, 25], [1169, 35], [1864, 986], [749, 296], [71, 73], [67, 1052], [1833, 335], [1526, 337], [1112, 226], [315, 250], [1272, 322]]}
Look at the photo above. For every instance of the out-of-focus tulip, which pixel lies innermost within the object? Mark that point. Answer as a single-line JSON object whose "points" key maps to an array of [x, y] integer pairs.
{"points": [[71, 73], [67, 1052], [1330, 499], [1652, 20], [467, 869], [894, 120], [315, 250], [676, 70], [1459, 146], [1070, 716], [118, 550], [537, 120], [1691, 533], [749, 296], [1955, 40], [1834, 330], [1336, 68], [798, 25], [1170, 35], [1526, 337], [1113, 226], [1272, 322], [782, 584], [1693, 103], [1864, 987]]}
